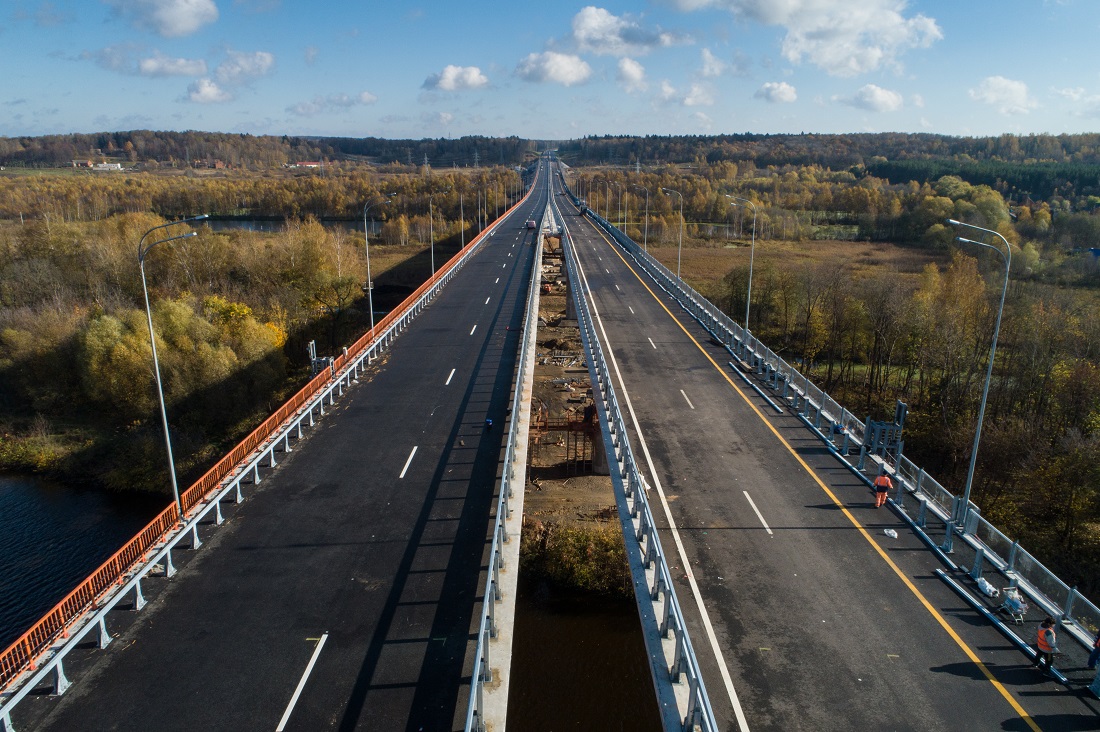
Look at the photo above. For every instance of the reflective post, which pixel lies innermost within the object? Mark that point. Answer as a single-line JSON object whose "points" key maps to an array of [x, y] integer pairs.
{"points": [[143, 249], [1006, 255]]}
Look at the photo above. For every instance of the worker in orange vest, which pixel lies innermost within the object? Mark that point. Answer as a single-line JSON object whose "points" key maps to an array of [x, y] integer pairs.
{"points": [[1046, 643], [883, 486]]}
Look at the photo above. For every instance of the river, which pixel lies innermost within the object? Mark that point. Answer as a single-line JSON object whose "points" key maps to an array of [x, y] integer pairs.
{"points": [[52, 537]]}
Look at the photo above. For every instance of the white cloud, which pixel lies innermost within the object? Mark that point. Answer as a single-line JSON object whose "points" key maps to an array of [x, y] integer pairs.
{"points": [[1074, 94], [873, 98], [331, 103], [1007, 95], [668, 91], [699, 95], [161, 65], [206, 91], [703, 120], [842, 37], [310, 55], [169, 18], [595, 30], [241, 68], [560, 68], [456, 78], [918, 101], [712, 65], [113, 58], [631, 75], [776, 91]]}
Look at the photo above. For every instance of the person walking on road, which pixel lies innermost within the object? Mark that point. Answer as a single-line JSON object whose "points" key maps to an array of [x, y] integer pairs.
{"points": [[1046, 645], [883, 486]]}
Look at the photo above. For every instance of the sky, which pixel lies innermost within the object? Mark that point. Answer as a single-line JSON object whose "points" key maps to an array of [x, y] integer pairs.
{"points": [[549, 70]]}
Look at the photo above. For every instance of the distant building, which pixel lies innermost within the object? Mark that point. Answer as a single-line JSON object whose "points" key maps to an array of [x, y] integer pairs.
{"points": [[107, 166], [306, 165]]}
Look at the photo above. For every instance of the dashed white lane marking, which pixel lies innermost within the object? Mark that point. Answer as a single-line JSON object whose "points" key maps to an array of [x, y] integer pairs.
{"points": [[497, 282], [758, 514], [687, 400], [452, 375], [504, 265], [605, 269], [408, 463], [302, 683], [652, 343], [630, 309], [473, 329], [617, 288], [487, 300]]}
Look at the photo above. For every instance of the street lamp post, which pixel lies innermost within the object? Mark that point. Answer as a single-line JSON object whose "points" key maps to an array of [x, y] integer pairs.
{"points": [[645, 235], [620, 204], [366, 242], [431, 227], [1006, 255], [143, 249], [752, 252], [680, 248]]}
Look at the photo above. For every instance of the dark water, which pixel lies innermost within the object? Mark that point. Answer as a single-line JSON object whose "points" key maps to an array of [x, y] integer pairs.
{"points": [[578, 663], [51, 538]]}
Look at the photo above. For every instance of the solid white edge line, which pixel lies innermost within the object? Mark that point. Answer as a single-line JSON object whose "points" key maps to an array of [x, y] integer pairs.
{"points": [[302, 683], [758, 514], [723, 668], [652, 343], [473, 329], [687, 400], [449, 377], [408, 463]]}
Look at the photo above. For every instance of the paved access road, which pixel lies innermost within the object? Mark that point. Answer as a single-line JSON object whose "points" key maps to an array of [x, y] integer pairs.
{"points": [[805, 615], [371, 534]]}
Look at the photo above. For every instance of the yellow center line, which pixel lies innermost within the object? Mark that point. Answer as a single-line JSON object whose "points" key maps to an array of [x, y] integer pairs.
{"points": [[836, 501]]}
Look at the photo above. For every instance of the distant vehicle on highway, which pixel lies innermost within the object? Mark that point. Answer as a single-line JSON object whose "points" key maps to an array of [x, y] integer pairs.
{"points": [[530, 223]]}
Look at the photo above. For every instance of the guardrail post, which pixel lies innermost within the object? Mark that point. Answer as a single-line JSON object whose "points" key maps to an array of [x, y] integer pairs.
{"points": [[922, 511], [949, 539], [970, 525], [1067, 611], [169, 568], [256, 474], [139, 599], [103, 637], [60, 682], [1012, 559], [976, 570], [218, 520], [196, 542]]}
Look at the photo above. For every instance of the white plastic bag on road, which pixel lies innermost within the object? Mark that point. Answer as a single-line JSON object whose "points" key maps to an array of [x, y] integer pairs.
{"points": [[891, 533]]}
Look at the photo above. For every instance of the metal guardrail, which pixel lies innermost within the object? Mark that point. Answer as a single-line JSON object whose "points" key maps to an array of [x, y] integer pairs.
{"points": [[658, 605], [487, 630], [917, 492], [40, 651]]}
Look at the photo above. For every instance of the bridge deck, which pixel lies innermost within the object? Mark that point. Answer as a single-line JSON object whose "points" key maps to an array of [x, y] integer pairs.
{"points": [[372, 530], [789, 582]]}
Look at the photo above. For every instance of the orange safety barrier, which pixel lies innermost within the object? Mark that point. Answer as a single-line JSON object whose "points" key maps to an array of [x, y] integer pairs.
{"points": [[22, 653]]}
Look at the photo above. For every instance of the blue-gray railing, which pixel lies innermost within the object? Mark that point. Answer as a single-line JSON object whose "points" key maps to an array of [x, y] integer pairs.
{"points": [[482, 671], [680, 688], [918, 493]]}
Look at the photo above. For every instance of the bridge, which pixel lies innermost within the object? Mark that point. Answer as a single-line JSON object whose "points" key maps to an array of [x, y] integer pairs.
{"points": [[365, 582]]}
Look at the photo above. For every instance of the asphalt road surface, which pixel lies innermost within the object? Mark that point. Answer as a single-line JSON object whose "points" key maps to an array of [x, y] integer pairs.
{"points": [[360, 558], [805, 615]]}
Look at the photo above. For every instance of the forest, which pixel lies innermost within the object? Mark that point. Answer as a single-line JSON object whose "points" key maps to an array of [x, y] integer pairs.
{"points": [[235, 309]]}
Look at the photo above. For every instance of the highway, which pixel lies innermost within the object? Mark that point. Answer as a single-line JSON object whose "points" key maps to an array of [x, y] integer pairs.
{"points": [[342, 593], [804, 613]]}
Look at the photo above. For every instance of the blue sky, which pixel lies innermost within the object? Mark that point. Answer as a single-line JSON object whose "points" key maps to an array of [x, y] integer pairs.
{"points": [[549, 70]]}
